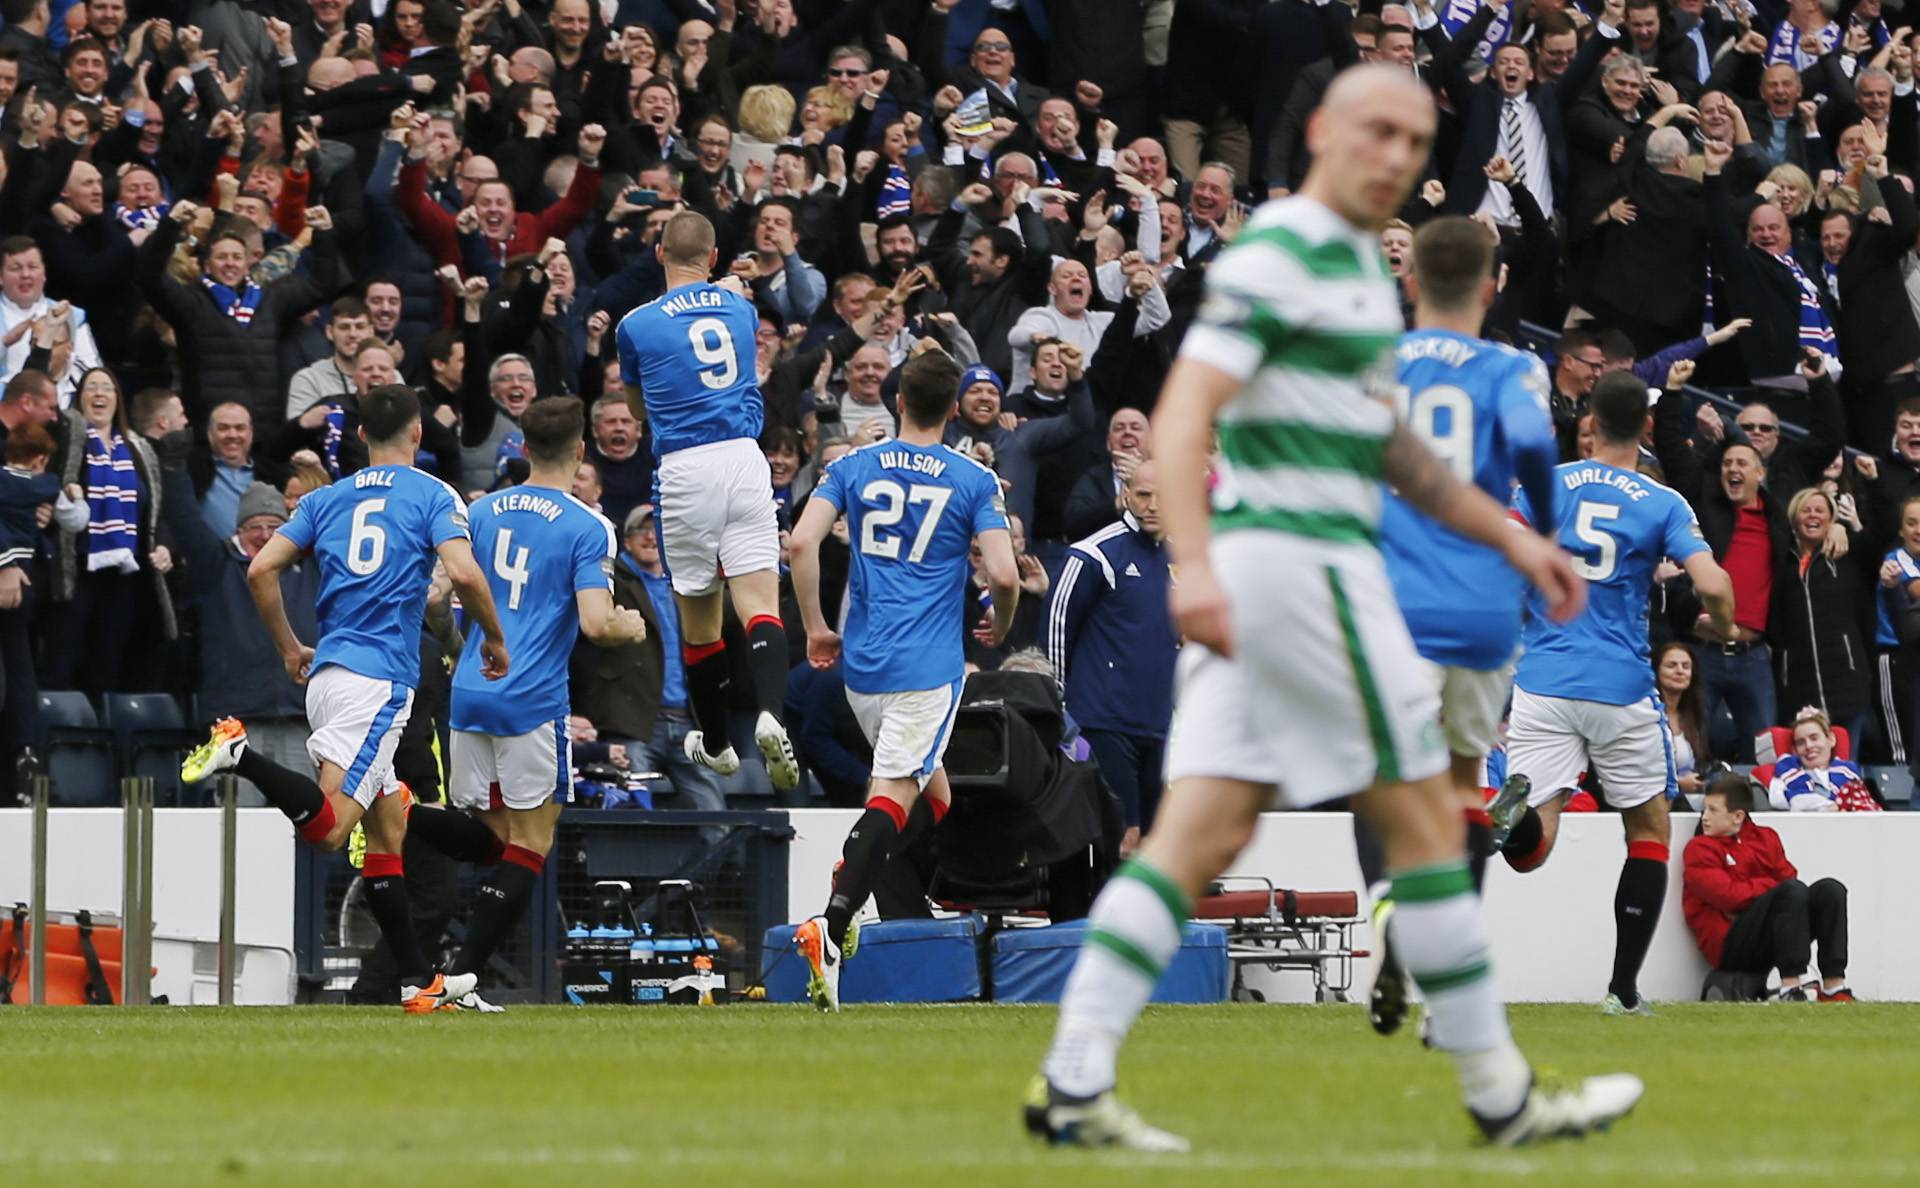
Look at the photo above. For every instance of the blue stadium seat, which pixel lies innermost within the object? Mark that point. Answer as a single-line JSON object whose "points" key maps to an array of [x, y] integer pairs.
{"points": [[79, 751], [150, 738]]}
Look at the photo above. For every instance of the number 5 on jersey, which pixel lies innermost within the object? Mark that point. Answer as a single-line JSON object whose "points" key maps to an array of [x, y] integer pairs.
{"points": [[1586, 526]]}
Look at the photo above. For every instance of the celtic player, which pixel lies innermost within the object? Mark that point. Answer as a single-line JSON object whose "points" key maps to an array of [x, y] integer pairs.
{"points": [[1299, 671]]}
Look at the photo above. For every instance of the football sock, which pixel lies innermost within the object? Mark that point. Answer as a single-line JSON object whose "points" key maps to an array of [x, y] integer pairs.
{"points": [[1133, 933], [460, 836], [767, 658], [294, 794], [1525, 848], [1636, 911], [863, 858], [1480, 845], [503, 900], [386, 879], [707, 681], [1442, 942]]}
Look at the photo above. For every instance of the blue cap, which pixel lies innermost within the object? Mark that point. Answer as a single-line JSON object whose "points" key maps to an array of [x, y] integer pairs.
{"points": [[980, 373]]}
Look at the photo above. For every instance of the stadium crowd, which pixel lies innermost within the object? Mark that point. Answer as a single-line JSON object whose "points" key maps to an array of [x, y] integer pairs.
{"points": [[222, 221]]}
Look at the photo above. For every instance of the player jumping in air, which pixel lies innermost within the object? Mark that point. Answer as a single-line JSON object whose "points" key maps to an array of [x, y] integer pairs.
{"points": [[1482, 409], [375, 535], [1584, 697], [687, 361], [1298, 667], [914, 507], [549, 561]]}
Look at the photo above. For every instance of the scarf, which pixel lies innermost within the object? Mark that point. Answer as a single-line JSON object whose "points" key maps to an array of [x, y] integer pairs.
{"points": [[141, 220], [113, 504], [896, 195], [1815, 331], [336, 432], [1784, 45], [1459, 12], [238, 306]]}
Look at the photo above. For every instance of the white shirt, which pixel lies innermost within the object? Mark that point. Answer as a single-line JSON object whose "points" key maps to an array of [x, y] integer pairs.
{"points": [[1084, 332], [85, 355], [1533, 139]]}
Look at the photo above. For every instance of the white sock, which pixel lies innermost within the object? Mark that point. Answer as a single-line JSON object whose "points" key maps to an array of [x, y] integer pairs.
{"points": [[1442, 942], [1133, 933]]}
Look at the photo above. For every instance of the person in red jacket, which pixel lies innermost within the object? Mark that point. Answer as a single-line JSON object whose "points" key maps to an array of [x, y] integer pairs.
{"points": [[508, 231], [1747, 908]]}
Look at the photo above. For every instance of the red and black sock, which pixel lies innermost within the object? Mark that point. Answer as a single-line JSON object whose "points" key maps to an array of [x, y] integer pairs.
{"points": [[863, 859], [1636, 911], [1526, 846], [385, 877], [294, 794], [1479, 845], [767, 655], [503, 900], [460, 836], [707, 680]]}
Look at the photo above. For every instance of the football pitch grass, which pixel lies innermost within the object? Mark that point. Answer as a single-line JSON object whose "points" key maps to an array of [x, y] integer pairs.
{"points": [[921, 1097]]}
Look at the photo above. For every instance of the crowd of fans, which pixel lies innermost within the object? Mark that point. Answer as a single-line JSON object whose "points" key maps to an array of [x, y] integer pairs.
{"points": [[222, 221]]}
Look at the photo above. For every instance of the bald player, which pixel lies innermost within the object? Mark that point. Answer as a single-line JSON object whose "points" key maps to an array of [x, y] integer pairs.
{"points": [[1291, 357]]}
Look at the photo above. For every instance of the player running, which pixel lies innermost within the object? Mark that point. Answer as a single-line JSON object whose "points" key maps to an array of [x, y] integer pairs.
{"points": [[549, 563], [1584, 697], [1297, 659], [687, 361], [375, 535], [1482, 408], [915, 507]]}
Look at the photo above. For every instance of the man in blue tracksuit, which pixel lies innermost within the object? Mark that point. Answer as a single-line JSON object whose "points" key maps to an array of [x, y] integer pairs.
{"points": [[1113, 646]]}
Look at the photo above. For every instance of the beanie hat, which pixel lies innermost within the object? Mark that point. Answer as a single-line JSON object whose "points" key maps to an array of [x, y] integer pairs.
{"points": [[980, 373], [261, 500]]}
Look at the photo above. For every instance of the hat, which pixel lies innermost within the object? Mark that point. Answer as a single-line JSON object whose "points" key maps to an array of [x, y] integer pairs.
{"points": [[637, 519], [980, 373], [261, 500]]}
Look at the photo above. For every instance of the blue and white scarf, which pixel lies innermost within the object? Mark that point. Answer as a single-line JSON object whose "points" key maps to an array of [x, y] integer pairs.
{"points": [[1784, 45], [238, 306], [336, 432], [896, 195], [113, 504], [1459, 12], [1815, 330], [144, 219]]}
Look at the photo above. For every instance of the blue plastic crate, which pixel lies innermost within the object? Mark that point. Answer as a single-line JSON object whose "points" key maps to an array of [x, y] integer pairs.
{"points": [[1032, 964], [898, 961]]}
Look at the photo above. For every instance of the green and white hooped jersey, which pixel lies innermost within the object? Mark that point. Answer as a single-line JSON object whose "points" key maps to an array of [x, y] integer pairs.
{"points": [[1303, 310]]}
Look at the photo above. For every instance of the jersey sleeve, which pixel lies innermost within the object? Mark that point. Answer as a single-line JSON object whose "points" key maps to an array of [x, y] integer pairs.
{"points": [[833, 484], [448, 515], [629, 352], [1909, 569], [593, 556], [300, 527], [1526, 423], [989, 505], [1522, 509], [1683, 536]]}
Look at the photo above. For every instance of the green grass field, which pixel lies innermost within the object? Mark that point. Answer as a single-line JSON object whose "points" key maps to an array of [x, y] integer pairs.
{"points": [[919, 1097]]}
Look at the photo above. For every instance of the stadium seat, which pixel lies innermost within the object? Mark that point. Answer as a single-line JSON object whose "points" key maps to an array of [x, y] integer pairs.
{"points": [[1776, 742], [83, 961], [79, 752], [150, 738]]}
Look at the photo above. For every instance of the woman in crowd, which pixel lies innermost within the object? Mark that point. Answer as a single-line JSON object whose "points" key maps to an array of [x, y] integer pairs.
{"points": [[1822, 659], [110, 575], [1814, 779], [1673, 673]]}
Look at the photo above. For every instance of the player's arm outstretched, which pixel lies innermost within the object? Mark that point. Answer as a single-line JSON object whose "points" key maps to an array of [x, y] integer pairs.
{"points": [[477, 600], [606, 624], [263, 582], [1422, 479], [1003, 583], [803, 561]]}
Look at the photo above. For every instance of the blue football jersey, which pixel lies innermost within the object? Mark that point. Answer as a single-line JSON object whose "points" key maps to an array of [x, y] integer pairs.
{"points": [[1891, 602], [1482, 408], [1618, 525], [691, 352], [912, 513], [538, 547], [374, 534]]}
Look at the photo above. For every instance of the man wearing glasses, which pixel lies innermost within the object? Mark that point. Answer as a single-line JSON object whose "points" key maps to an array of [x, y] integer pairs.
{"points": [[1580, 366], [990, 65]]}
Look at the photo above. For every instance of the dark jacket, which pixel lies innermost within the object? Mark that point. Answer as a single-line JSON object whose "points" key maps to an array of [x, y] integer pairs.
{"points": [[1017, 452], [1655, 266], [70, 548], [240, 671], [989, 311], [1823, 660], [1112, 645], [223, 359], [1875, 322], [1752, 284], [618, 689]]}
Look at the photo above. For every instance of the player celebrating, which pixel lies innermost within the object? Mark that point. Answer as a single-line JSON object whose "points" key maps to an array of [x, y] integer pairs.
{"points": [[374, 535], [1322, 684], [1584, 698], [687, 359], [549, 563], [915, 506], [1482, 408]]}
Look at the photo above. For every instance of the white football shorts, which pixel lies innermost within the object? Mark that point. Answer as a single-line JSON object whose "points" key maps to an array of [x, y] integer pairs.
{"points": [[520, 771], [356, 723], [716, 514], [1551, 740], [1472, 702], [909, 731]]}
